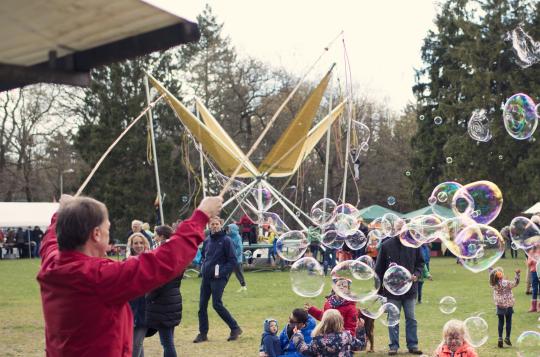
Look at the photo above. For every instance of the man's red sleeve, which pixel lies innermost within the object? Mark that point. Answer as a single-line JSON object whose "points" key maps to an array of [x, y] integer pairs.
{"points": [[49, 244], [118, 282]]}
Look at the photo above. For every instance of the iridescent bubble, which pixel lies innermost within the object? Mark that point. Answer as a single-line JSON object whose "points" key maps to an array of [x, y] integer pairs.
{"points": [[322, 212], [391, 225], [442, 197], [528, 344], [264, 197], [366, 259], [356, 241], [476, 331], [483, 197], [449, 160], [519, 116], [478, 126], [372, 306], [291, 245], [445, 189], [345, 224], [438, 120], [307, 277], [397, 280], [524, 233], [390, 315], [354, 280], [447, 305], [391, 200], [526, 49], [482, 246], [423, 229]]}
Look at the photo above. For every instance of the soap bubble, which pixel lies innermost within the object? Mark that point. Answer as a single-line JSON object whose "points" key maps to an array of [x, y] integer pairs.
{"points": [[519, 116], [345, 224], [360, 134], [447, 305], [438, 120], [354, 280], [528, 344], [332, 239], [525, 233], [480, 246], [407, 173], [500, 157], [481, 200], [264, 197], [449, 160], [423, 229], [421, 117], [478, 126], [356, 241], [345, 208], [526, 49], [372, 306], [307, 277], [442, 196], [291, 245], [476, 331], [322, 212], [273, 221], [392, 315], [397, 280], [391, 200], [391, 225], [366, 259], [375, 235]]}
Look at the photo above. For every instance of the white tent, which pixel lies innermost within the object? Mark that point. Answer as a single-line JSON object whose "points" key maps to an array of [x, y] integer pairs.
{"points": [[24, 214], [534, 209]]}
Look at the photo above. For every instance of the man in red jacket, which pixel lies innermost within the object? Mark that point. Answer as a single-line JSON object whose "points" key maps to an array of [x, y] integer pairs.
{"points": [[85, 295]]}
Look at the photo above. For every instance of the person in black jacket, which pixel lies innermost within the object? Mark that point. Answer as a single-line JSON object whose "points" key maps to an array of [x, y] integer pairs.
{"points": [[392, 251], [218, 261], [164, 304]]}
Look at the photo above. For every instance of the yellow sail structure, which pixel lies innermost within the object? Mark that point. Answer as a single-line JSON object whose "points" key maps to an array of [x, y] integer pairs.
{"points": [[227, 158]]}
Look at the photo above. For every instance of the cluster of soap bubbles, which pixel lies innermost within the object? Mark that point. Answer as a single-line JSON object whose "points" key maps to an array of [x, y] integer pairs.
{"points": [[527, 50], [520, 116], [478, 126]]}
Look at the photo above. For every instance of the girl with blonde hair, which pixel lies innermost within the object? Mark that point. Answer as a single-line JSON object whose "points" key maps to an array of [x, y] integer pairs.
{"points": [[137, 244], [453, 343], [330, 339]]}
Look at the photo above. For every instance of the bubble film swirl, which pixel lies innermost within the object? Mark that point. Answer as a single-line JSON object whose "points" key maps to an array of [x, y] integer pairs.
{"points": [[291, 245], [526, 49], [397, 280], [477, 331], [480, 200], [354, 280], [478, 126], [519, 116], [483, 245], [322, 212], [307, 277]]}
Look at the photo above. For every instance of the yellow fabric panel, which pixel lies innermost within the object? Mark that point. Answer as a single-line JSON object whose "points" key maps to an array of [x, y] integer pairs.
{"points": [[218, 130], [296, 132], [225, 157]]}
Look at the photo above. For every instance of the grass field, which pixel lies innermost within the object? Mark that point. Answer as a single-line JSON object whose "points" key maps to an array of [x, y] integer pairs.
{"points": [[269, 294]]}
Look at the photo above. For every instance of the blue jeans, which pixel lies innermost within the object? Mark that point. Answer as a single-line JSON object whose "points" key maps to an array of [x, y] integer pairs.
{"points": [[410, 325], [534, 284], [166, 336], [138, 338]]}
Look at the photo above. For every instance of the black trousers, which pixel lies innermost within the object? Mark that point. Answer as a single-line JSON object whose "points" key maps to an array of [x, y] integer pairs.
{"points": [[214, 288]]}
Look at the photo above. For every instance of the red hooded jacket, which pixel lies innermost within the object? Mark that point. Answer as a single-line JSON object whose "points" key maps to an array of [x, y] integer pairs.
{"points": [[85, 299], [347, 311]]}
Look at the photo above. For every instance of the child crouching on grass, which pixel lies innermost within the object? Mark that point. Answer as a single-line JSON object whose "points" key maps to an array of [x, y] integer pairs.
{"points": [[453, 343], [329, 338], [504, 300]]}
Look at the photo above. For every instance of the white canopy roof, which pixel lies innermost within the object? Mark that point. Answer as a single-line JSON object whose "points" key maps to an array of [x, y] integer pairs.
{"points": [[534, 209], [24, 214]]}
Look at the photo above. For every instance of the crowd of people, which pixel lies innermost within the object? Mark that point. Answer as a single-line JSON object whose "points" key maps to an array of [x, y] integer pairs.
{"points": [[84, 293], [24, 242]]}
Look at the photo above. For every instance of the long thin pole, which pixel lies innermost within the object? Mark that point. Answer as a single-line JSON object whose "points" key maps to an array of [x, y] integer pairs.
{"points": [[201, 160], [349, 122], [156, 168], [327, 157]]}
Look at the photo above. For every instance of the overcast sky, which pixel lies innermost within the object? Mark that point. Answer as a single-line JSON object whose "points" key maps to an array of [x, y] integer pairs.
{"points": [[383, 38]]}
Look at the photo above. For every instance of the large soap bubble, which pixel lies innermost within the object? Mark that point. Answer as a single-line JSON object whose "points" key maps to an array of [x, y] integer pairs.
{"points": [[453, 227], [291, 245], [519, 115], [307, 277], [476, 331], [391, 225], [322, 211], [345, 224], [528, 344], [273, 221], [356, 241], [480, 200], [372, 306], [397, 280], [525, 233], [354, 280], [345, 208], [390, 315], [366, 259], [478, 126], [442, 196], [527, 50], [447, 305], [331, 239], [264, 198], [483, 245], [423, 229]]}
